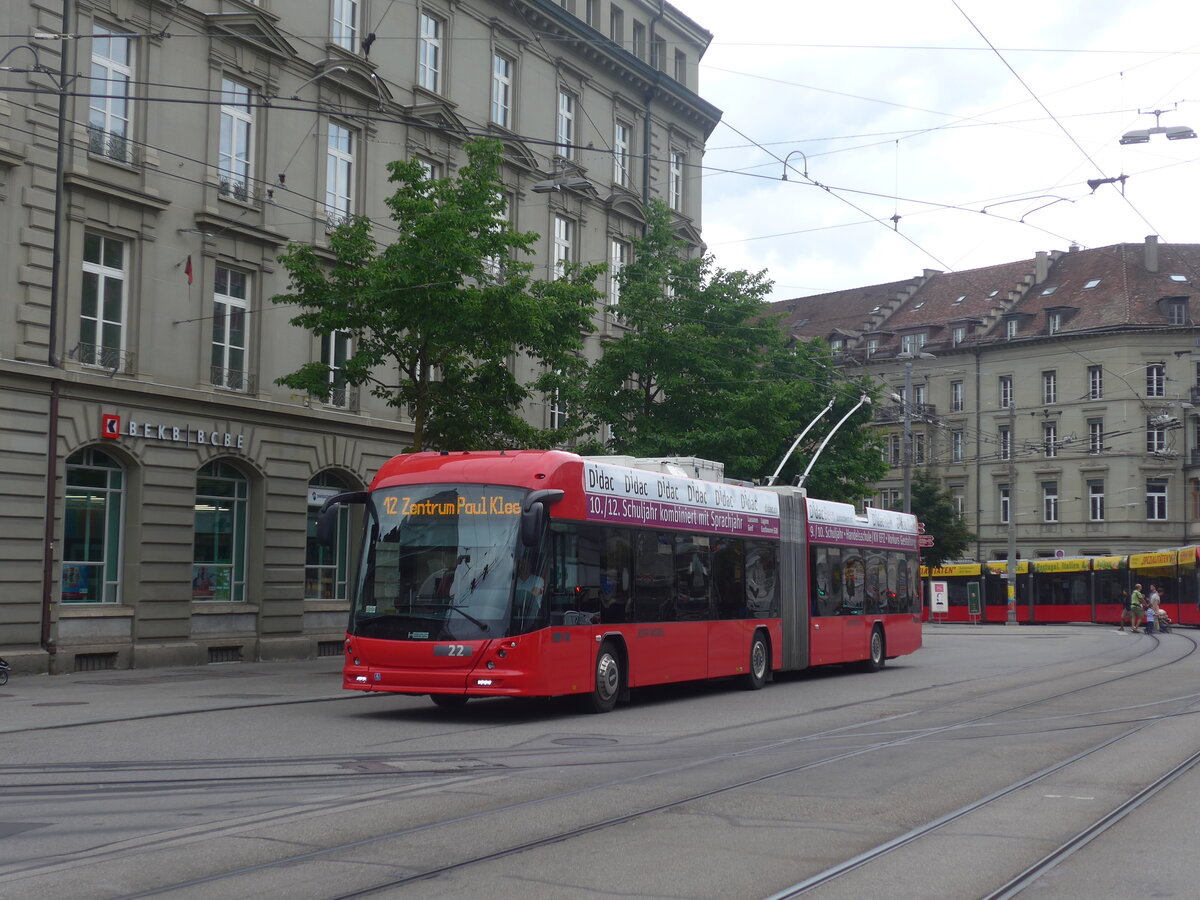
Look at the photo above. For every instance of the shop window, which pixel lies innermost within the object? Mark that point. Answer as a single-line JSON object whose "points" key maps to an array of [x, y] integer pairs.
{"points": [[219, 545], [95, 486]]}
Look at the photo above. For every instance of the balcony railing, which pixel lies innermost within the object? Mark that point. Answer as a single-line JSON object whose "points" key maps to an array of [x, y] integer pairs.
{"points": [[895, 412], [343, 398], [116, 361], [111, 145], [236, 190], [232, 380]]}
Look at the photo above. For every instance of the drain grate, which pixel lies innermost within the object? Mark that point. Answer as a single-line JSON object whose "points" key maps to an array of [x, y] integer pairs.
{"points": [[224, 654], [95, 662], [330, 648]]}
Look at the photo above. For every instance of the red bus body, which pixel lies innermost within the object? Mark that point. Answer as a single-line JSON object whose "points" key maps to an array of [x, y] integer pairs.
{"points": [[739, 540]]}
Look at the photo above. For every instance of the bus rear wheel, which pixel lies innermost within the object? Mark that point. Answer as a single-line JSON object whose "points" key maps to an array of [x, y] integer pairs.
{"points": [[449, 701], [760, 662], [878, 658], [607, 683]]}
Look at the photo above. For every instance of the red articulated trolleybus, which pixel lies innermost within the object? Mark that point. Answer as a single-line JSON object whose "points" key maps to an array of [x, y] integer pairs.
{"points": [[542, 573]]}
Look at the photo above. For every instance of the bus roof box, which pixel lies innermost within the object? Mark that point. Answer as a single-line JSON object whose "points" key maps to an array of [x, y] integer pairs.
{"points": [[681, 466]]}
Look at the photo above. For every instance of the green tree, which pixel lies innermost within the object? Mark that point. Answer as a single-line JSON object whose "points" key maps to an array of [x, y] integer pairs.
{"points": [[934, 507], [435, 316], [704, 370]]}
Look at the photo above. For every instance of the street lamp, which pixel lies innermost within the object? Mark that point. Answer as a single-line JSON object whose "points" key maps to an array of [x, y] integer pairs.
{"points": [[1173, 132]]}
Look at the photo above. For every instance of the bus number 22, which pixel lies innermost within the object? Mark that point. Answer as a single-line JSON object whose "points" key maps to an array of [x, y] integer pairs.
{"points": [[452, 650]]}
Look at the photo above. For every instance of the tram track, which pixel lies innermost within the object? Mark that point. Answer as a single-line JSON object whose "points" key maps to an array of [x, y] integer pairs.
{"points": [[566, 835]]}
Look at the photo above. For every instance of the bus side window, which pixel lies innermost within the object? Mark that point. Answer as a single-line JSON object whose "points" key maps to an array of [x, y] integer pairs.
{"points": [[729, 578]]}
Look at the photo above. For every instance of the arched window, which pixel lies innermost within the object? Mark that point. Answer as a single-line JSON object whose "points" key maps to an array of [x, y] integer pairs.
{"points": [[219, 546], [92, 528], [326, 567]]}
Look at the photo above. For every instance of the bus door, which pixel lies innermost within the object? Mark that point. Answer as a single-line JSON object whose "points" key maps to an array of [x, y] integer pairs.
{"points": [[827, 622]]}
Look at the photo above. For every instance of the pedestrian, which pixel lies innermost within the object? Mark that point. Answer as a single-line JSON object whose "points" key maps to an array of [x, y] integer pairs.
{"points": [[1152, 609], [1136, 599], [1126, 611]]}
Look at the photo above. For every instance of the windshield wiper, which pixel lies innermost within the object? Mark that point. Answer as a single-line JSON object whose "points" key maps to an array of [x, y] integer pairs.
{"points": [[483, 626]]}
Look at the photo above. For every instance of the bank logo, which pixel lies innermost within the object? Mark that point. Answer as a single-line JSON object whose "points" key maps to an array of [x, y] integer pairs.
{"points": [[110, 426]]}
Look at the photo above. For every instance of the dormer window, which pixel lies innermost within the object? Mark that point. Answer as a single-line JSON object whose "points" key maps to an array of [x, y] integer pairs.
{"points": [[872, 346], [1053, 322], [1046, 292], [1177, 312], [1095, 282], [912, 343], [837, 344], [959, 334], [1010, 328]]}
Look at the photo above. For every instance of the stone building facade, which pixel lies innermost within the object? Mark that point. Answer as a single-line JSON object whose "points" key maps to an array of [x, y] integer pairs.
{"points": [[159, 487], [1058, 395]]}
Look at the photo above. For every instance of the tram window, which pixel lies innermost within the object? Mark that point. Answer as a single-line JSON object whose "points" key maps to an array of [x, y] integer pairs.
{"points": [[762, 596], [729, 578], [653, 562]]}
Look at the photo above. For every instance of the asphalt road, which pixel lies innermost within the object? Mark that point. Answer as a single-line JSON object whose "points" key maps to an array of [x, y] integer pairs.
{"points": [[1047, 762]]}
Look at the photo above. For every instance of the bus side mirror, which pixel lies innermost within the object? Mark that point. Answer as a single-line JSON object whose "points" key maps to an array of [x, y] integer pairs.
{"points": [[533, 515], [327, 519]]}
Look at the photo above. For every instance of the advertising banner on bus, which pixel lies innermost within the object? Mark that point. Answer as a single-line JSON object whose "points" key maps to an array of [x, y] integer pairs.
{"points": [[882, 529], [636, 497]]}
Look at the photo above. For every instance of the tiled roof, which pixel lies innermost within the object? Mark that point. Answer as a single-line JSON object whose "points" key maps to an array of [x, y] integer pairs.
{"points": [[1121, 286]]}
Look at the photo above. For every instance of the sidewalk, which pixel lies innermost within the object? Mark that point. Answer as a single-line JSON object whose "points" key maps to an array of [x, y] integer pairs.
{"points": [[30, 702]]}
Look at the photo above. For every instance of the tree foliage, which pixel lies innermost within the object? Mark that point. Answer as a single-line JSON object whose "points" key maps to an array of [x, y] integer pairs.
{"points": [[704, 370], [934, 506], [436, 315]]}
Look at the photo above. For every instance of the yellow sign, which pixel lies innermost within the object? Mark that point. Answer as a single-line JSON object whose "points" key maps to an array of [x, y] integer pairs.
{"points": [[954, 569], [1108, 563], [1153, 560], [1000, 567], [1062, 565]]}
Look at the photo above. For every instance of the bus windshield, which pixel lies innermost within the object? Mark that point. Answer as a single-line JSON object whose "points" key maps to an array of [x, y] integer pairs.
{"points": [[439, 563]]}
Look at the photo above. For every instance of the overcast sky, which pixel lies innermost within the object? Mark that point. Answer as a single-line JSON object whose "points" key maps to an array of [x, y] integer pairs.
{"points": [[905, 109]]}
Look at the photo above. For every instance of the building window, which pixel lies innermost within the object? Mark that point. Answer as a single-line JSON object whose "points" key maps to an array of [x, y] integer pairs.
{"points": [[1095, 435], [429, 54], [658, 53], [230, 308], [1049, 388], [1005, 442], [1006, 392], [956, 446], [1091, 284], [621, 139], [493, 266], [339, 175], [564, 240], [958, 499], [1010, 328], [219, 554], [912, 343], [918, 448], [872, 346], [108, 109], [326, 565], [956, 396], [1156, 499], [1156, 436], [91, 567], [593, 13], [1050, 439], [1053, 322], [618, 257], [675, 180], [345, 24], [959, 334], [335, 350], [502, 74], [237, 140], [1177, 312], [103, 302], [1095, 501], [681, 67], [1156, 380], [616, 24], [1095, 382], [837, 344], [1005, 504], [564, 132], [559, 417], [639, 40], [1049, 501], [894, 449]]}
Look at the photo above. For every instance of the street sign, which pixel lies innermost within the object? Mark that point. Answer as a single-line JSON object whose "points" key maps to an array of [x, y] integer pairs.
{"points": [[924, 540]]}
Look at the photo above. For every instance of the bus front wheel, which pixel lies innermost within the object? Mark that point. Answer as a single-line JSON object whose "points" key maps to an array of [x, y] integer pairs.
{"points": [[607, 683]]}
